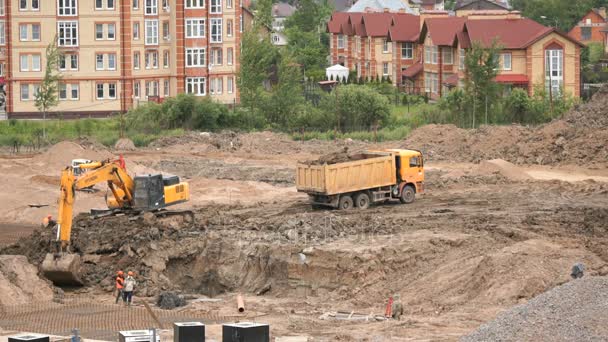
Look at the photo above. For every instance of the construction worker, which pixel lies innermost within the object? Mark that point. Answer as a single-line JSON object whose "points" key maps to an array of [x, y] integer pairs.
{"points": [[120, 284], [130, 284], [397, 307], [48, 222]]}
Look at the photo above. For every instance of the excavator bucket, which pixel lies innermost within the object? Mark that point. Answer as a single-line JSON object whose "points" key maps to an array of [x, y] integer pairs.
{"points": [[63, 269]]}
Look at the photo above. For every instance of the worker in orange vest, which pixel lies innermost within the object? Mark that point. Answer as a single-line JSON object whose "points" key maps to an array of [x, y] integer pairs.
{"points": [[120, 284], [48, 222]]}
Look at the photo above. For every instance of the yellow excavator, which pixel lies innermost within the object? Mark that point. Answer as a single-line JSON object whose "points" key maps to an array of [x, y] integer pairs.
{"points": [[127, 195]]}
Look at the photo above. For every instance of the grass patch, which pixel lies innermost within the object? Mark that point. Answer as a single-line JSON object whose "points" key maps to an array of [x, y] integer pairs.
{"points": [[384, 134]]}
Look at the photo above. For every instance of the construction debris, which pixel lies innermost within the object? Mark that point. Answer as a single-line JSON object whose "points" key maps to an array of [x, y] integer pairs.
{"points": [[170, 300]]}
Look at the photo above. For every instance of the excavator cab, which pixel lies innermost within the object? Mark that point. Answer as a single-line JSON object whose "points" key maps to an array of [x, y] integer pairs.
{"points": [[149, 192]]}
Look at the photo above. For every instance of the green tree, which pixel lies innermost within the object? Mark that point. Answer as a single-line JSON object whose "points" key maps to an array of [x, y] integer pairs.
{"points": [[481, 67], [357, 107], [517, 105], [263, 13], [561, 13], [46, 97], [286, 97]]}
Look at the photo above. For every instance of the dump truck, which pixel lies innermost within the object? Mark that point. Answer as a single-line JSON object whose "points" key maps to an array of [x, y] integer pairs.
{"points": [[363, 179]]}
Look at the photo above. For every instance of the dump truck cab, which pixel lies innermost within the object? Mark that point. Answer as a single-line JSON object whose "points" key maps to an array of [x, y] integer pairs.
{"points": [[409, 168]]}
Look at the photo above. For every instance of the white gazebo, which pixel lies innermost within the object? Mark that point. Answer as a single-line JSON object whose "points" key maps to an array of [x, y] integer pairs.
{"points": [[337, 72]]}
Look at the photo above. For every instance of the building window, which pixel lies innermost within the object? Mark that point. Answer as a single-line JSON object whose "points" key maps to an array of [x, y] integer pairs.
{"points": [[152, 60], [166, 88], [35, 32], [195, 28], [229, 56], [111, 61], [23, 32], [68, 91], [228, 3], [195, 57], [112, 90], [216, 86], [110, 4], [111, 31], [99, 61], [229, 27], [165, 59], [25, 92], [585, 33], [431, 82], [385, 45], [136, 60], [427, 55], [3, 32], [461, 57], [385, 69], [166, 5], [195, 3], [275, 38], [135, 4], [506, 61], [216, 30], [434, 54], [216, 57], [241, 24], [151, 88], [151, 32], [166, 32], [195, 85], [136, 31], [24, 29], [2, 7], [68, 33], [407, 51], [151, 7], [98, 31], [75, 91], [447, 55], [63, 91], [340, 41], [99, 93], [25, 66], [34, 5], [216, 6], [554, 73], [68, 62], [230, 85], [67, 7], [136, 89]]}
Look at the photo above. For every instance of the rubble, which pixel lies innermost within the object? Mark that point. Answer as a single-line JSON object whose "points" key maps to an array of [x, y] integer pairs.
{"points": [[170, 300]]}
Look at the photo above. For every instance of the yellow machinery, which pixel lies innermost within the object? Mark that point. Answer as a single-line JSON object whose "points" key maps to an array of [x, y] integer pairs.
{"points": [[126, 195]]}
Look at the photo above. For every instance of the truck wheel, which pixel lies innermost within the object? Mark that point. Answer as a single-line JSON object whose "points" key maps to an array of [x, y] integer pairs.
{"points": [[346, 203], [408, 194], [362, 201]]}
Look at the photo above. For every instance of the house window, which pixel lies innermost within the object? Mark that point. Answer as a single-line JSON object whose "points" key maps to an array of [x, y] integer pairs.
{"points": [[166, 31], [99, 61], [152, 60], [151, 7], [151, 88], [36, 63], [195, 85], [74, 91], [166, 88], [151, 32], [166, 5], [407, 51], [385, 45], [98, 4], [111, 31], [23, 32], [434, 54], [136, 31], [229, 56], [2, 8], [68, 62], [3, 32], [506, 61], [136, 60], [195, 3], [385, 69], [110, 4], [25, 92], [67, 7], [216, 6], [68, 91], [585, 33], [111, 61], [165, 59], [99, 93], [554, 73], [340, 41], [24, 63], [229, 27], [135, 4], [228, 3], [195, 57], [68, 33], [230, 85], [112, 90], [216, 30], [216, 86], [98, 31], [136, 89], [447, 55], [63, 92], [35, 32], [35, 5], [216, 57], [275, 38], [461, 57], [195, 28]]}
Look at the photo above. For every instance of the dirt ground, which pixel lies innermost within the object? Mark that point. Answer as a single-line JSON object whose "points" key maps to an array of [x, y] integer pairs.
{"points": [[488, 234]]}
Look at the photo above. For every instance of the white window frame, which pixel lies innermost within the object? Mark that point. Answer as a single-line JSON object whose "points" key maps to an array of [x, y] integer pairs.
{"points": [[136, 60], [194, 3], [115, 90], [166, 59], [407, 50], [229, 85], [151, 38], [229, 28], [111, 57], [67, 8], [103, 92], [554, 70], [63, 87], [385, 46], [2, 32], [34, 39], [100, 8], [34, 58], [136, 30], [26, 87], [110, 8], [340, 41], [97, 26], [97, 60], [215, 6], [136, 89], [67, 26], [229, 56], [461, 59], [194, 26], [447, 52], [150, 7], [193, 57], [23, 32], [74, 86], [167, 26], [135, 4], [166, 88], [113, 25], [228, 3], [24, 63], [199, 82], [217, 24], [504, 57], [385, 69]]}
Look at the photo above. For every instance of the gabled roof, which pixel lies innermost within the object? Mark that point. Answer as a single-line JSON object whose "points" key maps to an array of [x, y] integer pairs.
{"points": [[443, 31], [404, 28], [282, 9], [510, 33], [600, 13], [335, 22], [378, 24], [356, 22], [494, 4], [413, 70], [380, 6]]}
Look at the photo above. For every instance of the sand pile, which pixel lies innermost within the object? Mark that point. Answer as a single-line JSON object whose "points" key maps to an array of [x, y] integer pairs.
{"points": [[19, 282], [575, 311], [61, 154], [125, 144]]}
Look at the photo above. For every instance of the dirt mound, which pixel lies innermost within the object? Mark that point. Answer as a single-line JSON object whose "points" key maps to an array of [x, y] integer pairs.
{"points": [[49, 180], [336, 158], [19, 282], [575, 311], [61, 154], [125, 144]]}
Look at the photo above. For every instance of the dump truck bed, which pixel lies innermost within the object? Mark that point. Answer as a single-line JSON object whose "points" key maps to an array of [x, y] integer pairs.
{"points": [[371, 170]]}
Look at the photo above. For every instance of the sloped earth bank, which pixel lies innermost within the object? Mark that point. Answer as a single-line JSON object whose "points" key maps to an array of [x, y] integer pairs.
{"points": [[457, 256]]}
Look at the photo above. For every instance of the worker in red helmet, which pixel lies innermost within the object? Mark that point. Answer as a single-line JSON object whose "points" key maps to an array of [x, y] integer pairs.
{"points": [[48, 222], [120, 284], [130, 284]]}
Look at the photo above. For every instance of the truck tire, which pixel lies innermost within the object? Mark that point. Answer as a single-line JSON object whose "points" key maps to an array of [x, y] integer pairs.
{"points": [[408, 194], [345, 203], [362, 201]]}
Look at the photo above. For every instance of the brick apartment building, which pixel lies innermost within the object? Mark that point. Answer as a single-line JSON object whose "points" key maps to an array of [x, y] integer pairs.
{"points": [[118, 54], [425, 54], [592, 28]]}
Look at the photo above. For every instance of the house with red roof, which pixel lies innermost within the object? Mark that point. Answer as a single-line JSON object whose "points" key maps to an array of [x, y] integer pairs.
{"points": [[593, 27]]}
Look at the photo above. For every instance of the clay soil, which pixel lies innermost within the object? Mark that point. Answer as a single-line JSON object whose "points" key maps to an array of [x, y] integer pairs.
{"points": [[488, 233]]}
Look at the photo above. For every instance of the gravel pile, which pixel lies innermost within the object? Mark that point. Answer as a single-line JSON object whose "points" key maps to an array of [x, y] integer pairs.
{"points": [[575, 311]]}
